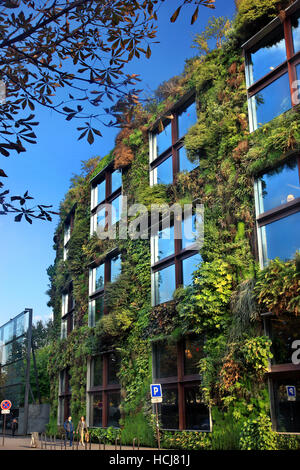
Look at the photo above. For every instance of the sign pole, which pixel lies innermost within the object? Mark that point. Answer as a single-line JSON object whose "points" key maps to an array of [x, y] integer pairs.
{"points": [[4, 424], [157, 425]]}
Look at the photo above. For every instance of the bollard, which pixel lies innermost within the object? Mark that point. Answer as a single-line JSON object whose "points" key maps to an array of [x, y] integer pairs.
{"points": [[136, 439], [118, 439]]}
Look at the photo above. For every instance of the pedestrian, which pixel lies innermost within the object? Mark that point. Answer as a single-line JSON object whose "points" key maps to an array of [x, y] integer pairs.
{"points": [[69, 428], [14, 426], [81, 429]]}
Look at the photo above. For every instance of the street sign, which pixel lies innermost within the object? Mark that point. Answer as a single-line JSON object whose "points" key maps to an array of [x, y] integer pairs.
{"points": [[5, 405], [291, 392], [156, 393], [5, 412]]}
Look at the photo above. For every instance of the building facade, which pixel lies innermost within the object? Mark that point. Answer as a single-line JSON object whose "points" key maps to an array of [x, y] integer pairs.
{"points": [[217, 324]]}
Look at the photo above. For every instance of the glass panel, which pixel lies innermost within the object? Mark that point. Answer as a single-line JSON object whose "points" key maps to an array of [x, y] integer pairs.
{"points": [[169, 412], [101, 218], [99, 308], [97, 372], [116, 209], [188, 231], [164, 139], [296, 32], [189, 265], [285, 330], [267, 55], [279, 186], [184, 163], [165, 360], [113, 368], [196, 412], [116, 267], [101, 191], [187, 119], [96, 409], [99, 276], [114, 414], [272, 101], [193, 352], [281, 238], [165, 243], [165, 172], [116, 180], [287, 412], [164, 281], [62, 376], [63, 329]]}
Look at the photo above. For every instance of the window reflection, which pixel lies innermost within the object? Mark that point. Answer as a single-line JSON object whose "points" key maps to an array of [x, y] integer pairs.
{"points": [[193, 352], [163, 139], [184, 163], [97, 409], [284, 331], [189, 231], [287, 412], [197, 413], [169, 411], [165, 241], [296, 32], [113, 368], [99, 308], [114, 414], [281, 238], [101, 191], [101, 218], [115, 268], [116, 180], [97, 372], [100, 276], [189, 265], [164, 172], [271, 101], [116, 206], [187, 119], [164, 284], [267, 55], [165, 360]]}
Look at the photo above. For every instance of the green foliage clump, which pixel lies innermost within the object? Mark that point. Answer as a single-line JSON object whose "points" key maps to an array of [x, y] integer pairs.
{"points": [[136, 426], [186, 440], [257, 434]]}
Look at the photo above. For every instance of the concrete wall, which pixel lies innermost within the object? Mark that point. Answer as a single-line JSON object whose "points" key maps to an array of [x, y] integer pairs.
{"points": [[38, 418]]}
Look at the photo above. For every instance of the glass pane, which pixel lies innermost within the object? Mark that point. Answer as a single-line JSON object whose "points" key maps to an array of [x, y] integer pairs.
{"points": [[272, 101], [279, 186], [62, 376], [113, 368], [101, 191], [116, 180], [114, 414], [189, 265], [169, 411], [197, 414], [165, 172], [268, 54], [116, 267], [285, 330], [99, 308], [101, 218], [296, 32], [100, 276], [281, 238], [164, 284], [97, 407], [165, 360], [287, 412], [164, 139], [97, 372], [165, 243], [116, 206], [187, 119], [193, 352], [184, 163], [189, 232]]}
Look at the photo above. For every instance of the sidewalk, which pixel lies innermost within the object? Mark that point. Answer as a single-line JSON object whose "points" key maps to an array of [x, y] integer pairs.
{"points": [[23, 443]]}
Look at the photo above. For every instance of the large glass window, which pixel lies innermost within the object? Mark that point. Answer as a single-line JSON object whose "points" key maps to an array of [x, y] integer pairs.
{"points": [[64, 395], [104, 390], [278, 211], [270, 70], [167, 154], [287, 411], [176, 368], [189, 266], [164, 282]]}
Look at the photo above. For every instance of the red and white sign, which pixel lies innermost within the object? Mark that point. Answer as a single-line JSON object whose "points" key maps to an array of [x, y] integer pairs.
{"points": [[5, 405]]}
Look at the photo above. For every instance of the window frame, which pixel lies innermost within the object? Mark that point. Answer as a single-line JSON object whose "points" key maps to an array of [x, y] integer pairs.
{"points": [[68, 229], [275, 214], [179, 383], [286, 67], [64, 395], [105, 388], [67, 316], [176, 143]]}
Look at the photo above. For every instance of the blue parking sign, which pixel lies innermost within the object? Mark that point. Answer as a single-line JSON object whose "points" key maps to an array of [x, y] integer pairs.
{"points": [[156, 391], [291, 392]]}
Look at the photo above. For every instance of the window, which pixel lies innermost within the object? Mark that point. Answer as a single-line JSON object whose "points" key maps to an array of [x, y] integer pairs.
{"points": [[104, 390], [176, 368], [271, 69], [67, 310], [174, 259], [106, 272], [167, 154], [106, 190], [64, 396], [278, 211], [68, 228]]}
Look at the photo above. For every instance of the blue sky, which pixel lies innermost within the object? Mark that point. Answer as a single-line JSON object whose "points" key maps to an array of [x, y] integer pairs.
{"points": [[46, 168]]}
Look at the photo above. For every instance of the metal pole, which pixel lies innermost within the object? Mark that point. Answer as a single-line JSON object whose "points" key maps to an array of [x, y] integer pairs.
{"points": [[157, 425], [4, 424], [27, 377]]}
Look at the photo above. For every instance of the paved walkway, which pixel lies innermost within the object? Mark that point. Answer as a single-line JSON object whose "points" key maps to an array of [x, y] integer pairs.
{"points": [[23, 443]]}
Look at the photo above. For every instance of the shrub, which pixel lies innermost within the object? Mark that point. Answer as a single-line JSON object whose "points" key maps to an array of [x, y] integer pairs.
{"points": [[257, 434]]}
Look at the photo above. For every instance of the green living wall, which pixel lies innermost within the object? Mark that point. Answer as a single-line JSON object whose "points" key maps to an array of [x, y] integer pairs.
{"points": [[229, 290]]}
